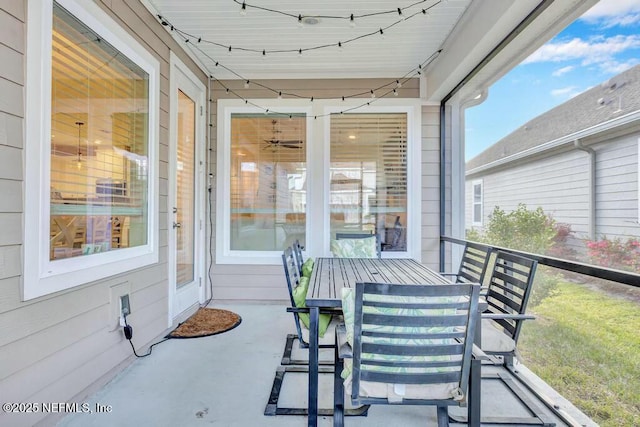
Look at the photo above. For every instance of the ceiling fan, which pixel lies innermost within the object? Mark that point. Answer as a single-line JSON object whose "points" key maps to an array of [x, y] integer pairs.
{"points": [[275, 142]]}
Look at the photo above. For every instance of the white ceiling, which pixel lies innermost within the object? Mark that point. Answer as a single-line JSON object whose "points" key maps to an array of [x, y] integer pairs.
{"points": [[403, 47]]}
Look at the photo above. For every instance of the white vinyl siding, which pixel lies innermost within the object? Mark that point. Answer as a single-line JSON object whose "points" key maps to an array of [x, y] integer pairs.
{"points": [[617, 188], [558, 184]]}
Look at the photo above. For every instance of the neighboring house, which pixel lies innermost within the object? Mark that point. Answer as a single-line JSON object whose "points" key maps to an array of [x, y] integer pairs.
{"points": [[116, 167], [578, 161]]}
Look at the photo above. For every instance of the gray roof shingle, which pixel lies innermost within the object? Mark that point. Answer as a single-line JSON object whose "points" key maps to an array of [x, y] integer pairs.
{"points": [[618, 96]]}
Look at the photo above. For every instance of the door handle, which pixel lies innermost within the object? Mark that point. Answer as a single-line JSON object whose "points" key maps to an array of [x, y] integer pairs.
{"points": [[177, 225]]}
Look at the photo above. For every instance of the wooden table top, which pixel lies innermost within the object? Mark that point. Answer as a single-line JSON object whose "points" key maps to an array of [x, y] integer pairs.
{"points": [[330, 275]]}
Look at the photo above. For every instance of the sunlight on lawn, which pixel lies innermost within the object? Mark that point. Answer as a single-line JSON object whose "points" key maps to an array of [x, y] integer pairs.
{"points": [[585, 344]]}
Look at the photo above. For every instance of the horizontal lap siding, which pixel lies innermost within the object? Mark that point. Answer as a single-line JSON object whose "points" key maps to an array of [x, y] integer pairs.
{"points": [[430, 188], [558, 184], [59, 347], [265, 282], [617, 187]]}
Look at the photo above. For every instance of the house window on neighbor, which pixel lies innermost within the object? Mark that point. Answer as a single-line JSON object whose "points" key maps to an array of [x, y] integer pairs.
{"points": [[268, 174], [99, 144], [477, 203], [368, 176]]}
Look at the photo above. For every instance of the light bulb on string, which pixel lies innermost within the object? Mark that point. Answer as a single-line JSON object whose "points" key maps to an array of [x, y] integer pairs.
{"points": [[243, 9], [229, 51], [373, 95], [280, 95], [395, 92], [246, 84], [299, 53], [264, 54], [382, 33], [299, 21], [352, 21], [398, 84]]}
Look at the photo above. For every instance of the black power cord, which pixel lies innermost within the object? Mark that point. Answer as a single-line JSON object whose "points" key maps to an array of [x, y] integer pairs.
{"points": [[128, 334], [128, 329]]}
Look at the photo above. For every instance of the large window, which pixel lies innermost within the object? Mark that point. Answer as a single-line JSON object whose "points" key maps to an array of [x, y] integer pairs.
{"points": [[267, 178], [95, 116], [368, 176], [308, 172]]}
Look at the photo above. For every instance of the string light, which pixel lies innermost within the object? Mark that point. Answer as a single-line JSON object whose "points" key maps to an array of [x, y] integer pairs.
{"points": [[351, 16], [300, 18], [243, 9], [398, 83]]}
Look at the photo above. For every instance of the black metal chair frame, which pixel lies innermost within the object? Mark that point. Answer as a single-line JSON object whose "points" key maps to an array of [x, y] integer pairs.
{"points": [[506, 296], [457, 331], [340, 236], [473, 265], [292, 275]]}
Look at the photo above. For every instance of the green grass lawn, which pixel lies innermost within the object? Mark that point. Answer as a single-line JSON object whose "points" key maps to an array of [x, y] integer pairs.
{"points": [[586, 345]]}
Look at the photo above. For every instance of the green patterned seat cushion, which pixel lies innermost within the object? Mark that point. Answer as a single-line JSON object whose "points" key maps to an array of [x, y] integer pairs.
{"points": [[355, 248], [396, 392], [299, 297], [307, 267]]}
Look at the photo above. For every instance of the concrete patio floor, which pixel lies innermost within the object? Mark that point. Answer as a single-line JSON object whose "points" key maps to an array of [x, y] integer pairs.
{"points": [[225, 380]]}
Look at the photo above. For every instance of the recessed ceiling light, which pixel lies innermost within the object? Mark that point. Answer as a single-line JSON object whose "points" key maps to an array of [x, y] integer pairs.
{"points": [[352, 137]]}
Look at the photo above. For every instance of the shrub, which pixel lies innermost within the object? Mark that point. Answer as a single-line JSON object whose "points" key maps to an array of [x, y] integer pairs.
{"points": [[528, 231], [615, 253]]}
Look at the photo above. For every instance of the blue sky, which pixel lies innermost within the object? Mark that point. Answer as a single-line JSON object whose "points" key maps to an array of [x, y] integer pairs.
{"points": [[604, 42]]}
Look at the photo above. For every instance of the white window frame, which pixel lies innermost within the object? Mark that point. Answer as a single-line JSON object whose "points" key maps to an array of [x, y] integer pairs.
{"points": [[474, 183], [41, 275], [317, 172]]}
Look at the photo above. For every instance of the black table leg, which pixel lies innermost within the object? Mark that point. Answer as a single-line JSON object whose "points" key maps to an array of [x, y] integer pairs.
{"points": [[314, 315]]}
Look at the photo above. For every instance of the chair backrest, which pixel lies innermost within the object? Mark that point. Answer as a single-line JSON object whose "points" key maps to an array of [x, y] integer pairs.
{"points": [[292, 276], [473, 265], [509, 289], [414, 334], [297, 252], [340, 236]]}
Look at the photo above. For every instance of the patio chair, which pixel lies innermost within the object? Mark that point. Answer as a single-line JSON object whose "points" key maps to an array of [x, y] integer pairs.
{"points": [[507, 296], [411, 345], [293, 276], [293, 279], [473, 265], [364, 249], [297, 252]]}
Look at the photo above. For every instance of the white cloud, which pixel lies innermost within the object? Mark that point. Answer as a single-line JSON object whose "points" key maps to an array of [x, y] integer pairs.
{"points": [[569, 91], [598, 51], [563, 70], [610, 13]]}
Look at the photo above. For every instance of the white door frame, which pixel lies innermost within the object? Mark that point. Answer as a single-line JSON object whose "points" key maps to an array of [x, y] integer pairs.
{"points": [[182, 78]]}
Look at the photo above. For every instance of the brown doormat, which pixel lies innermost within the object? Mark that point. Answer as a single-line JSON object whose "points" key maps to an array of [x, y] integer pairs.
{"points": [[205, 322]]}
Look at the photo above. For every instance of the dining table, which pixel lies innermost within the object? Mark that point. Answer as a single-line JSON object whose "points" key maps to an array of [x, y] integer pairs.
{"points": [[327, 279]]}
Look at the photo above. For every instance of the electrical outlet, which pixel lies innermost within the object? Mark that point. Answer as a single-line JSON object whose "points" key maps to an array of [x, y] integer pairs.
{"points": [[125, 307]]}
